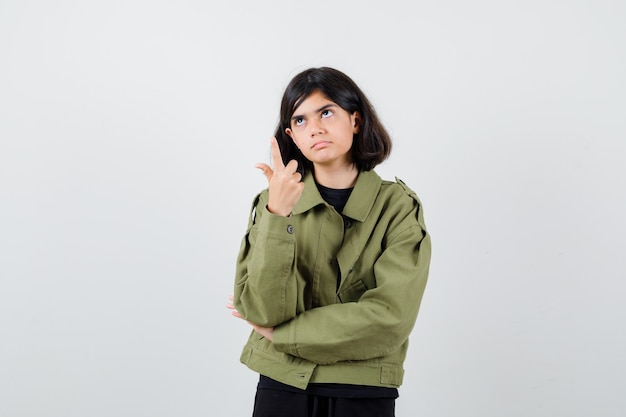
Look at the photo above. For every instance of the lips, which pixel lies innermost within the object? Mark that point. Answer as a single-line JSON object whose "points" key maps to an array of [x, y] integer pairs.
{"points": [[320, 144]]}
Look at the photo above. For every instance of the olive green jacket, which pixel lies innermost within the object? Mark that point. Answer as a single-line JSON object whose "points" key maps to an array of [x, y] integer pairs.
{"points": [[342, 292]]}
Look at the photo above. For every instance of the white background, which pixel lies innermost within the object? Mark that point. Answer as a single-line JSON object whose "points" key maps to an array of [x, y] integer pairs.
{"points": [[129, 131]]}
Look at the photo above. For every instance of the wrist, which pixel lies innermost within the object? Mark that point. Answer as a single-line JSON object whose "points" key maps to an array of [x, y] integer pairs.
{"points": [[278, 212]]}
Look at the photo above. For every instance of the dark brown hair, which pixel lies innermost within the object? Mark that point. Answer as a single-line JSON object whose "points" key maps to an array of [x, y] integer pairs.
{"points": [[370, 146]]}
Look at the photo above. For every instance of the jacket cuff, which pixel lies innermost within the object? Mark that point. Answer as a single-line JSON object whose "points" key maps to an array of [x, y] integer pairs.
{"points": [[277, 226], [283, 338]]}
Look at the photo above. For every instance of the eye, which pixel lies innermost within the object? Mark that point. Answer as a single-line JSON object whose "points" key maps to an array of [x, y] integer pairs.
{"points": [[327, 113], [298, 121]]}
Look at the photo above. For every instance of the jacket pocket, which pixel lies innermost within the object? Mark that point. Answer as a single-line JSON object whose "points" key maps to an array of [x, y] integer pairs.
{"points": [[352, 293]]}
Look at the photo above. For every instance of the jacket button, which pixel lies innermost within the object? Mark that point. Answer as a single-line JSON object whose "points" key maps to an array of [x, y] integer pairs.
{"points": [[290, 229], [347, 223]]}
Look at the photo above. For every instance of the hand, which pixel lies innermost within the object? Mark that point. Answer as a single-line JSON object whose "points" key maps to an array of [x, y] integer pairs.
{"points": [[267, 332], [284, 182]]}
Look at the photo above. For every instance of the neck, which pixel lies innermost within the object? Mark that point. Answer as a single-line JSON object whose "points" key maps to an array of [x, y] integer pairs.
{"points": [[338, 177]]}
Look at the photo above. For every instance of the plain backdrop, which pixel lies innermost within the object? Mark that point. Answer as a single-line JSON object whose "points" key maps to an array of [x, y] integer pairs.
{"points": [[129, 131]]}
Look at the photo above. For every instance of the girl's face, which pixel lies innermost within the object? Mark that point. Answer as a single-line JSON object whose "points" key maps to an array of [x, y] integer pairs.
{"points": [[323, 131]]}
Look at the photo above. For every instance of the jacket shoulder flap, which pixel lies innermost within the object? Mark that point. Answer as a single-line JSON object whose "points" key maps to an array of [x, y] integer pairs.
{"points": [[407, 189]]}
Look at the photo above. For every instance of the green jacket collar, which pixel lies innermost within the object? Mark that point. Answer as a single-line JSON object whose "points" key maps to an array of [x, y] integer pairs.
{"points": [[359, 204]]}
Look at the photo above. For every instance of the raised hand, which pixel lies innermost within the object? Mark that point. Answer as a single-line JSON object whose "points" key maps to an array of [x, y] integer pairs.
{"points": [[285, 185]]}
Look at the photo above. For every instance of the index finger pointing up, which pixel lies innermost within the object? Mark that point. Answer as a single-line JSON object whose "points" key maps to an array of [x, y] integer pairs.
{"points": [[276, 155]]}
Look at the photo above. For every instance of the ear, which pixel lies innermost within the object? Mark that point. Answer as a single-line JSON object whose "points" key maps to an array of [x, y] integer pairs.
{"points": [[291, 135], [356, 122]]}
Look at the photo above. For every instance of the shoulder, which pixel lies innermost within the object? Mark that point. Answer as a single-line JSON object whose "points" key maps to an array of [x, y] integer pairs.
{"points": [[400, 191], [401, 203], [256, 208], [261, 197]]}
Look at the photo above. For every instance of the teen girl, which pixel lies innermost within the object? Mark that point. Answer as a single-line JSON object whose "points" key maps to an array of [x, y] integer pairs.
{"points": [[334, 262]]}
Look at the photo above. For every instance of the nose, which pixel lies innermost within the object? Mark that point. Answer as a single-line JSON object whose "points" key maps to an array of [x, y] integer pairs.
{"points": [[315, 127]]}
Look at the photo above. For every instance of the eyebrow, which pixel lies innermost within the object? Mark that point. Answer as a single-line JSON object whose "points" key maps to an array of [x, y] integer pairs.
{"points": [[321, 109]]}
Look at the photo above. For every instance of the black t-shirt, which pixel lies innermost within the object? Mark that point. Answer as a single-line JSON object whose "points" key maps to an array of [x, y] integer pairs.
{"points": [[336, 197]]}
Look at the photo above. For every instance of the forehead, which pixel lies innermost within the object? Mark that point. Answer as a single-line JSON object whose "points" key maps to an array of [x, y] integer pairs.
{"points": [[313, 102]]}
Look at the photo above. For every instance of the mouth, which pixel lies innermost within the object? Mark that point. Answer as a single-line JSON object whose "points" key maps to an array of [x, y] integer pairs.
{"points": [[320, 144]]}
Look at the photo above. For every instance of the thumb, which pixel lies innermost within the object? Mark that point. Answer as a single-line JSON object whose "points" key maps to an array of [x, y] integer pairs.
{"points": [[267, 171]]}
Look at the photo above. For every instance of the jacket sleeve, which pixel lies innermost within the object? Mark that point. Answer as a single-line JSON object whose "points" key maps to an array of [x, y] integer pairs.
{"points": [[265, 286], [380, 322]]}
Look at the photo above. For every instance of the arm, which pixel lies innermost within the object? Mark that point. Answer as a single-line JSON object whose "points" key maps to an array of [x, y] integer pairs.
{"points": [[265, 285]]}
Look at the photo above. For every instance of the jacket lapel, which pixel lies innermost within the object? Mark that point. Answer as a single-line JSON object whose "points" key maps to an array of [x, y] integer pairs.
{"points": [[357, 208]]}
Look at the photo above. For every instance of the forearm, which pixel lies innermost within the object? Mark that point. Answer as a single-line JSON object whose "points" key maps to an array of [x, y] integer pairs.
{"points": [[265, 285]]}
